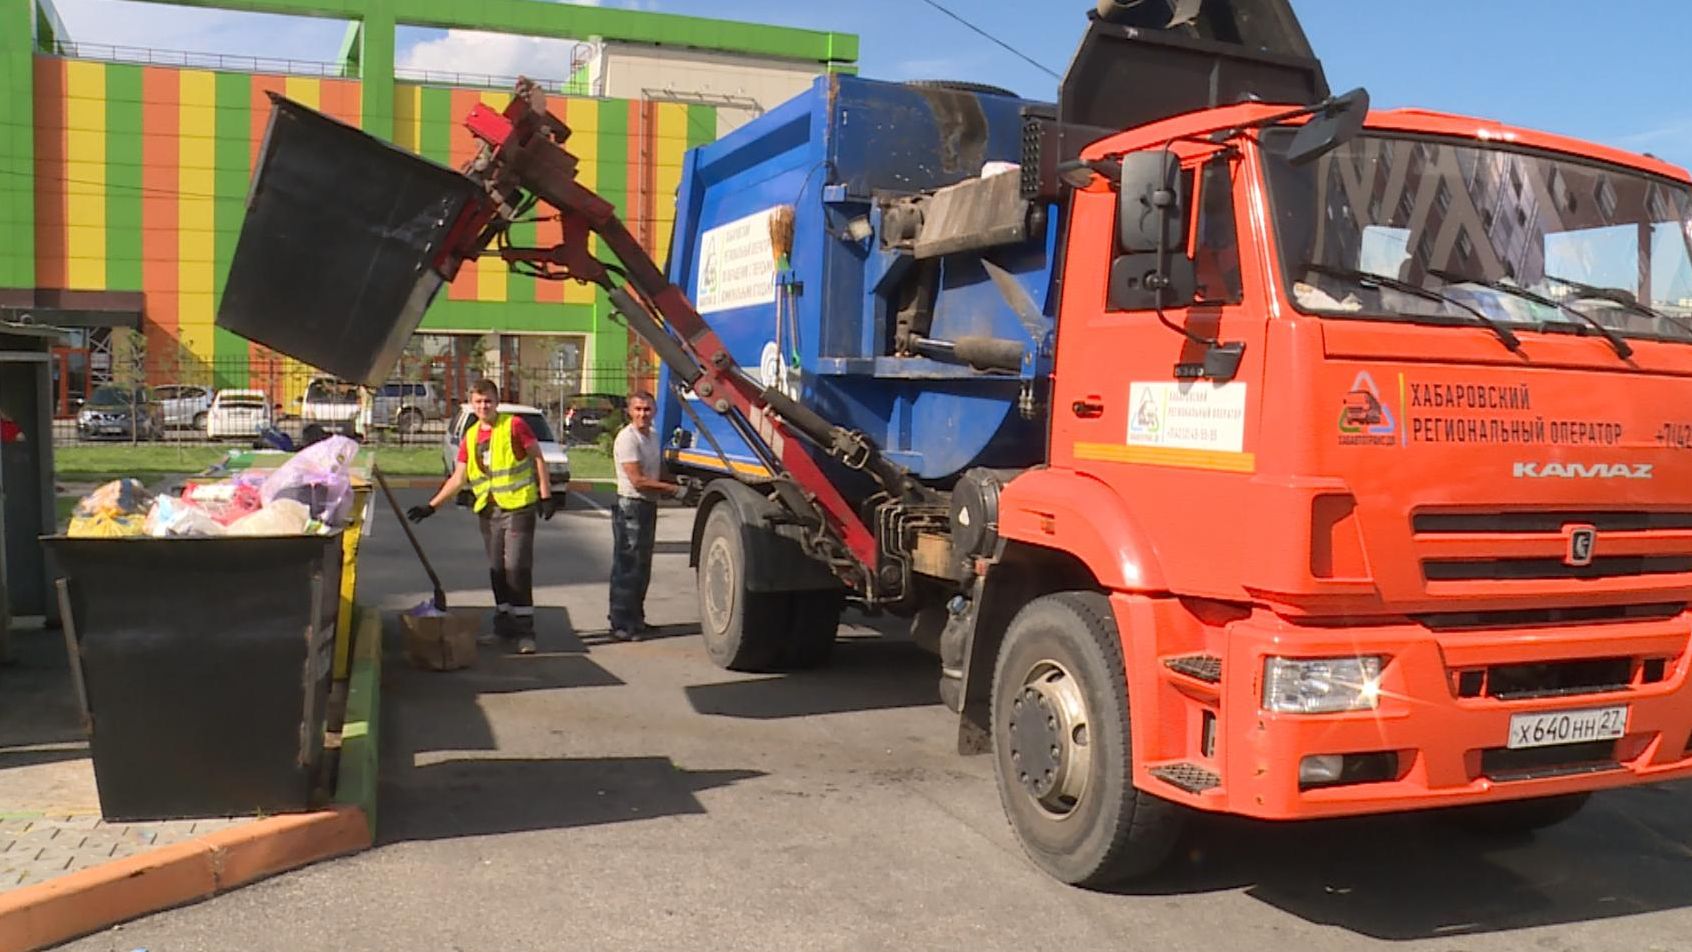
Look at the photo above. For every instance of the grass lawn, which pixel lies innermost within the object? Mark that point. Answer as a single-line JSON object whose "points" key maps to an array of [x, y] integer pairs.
{"points": [[152, 462], [147, 462], [588, 462]]}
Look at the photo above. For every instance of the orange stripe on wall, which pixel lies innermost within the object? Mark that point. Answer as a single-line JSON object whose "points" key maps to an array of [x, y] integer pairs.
{"points": [[160, 157], [463, 147], [51, 251], [547, 234]]}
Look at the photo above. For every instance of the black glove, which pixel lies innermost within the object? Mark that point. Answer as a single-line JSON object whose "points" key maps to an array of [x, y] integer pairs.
{"points": [[549, 506], [419, 513]]}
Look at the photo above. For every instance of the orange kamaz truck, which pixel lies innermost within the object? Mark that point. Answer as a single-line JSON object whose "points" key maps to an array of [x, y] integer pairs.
{"points": [[1240, 449]]}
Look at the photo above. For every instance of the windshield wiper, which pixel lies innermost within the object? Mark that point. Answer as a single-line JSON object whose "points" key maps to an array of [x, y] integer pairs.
{"points": [[1371, 280], [1622, 348], [1622, 298]]}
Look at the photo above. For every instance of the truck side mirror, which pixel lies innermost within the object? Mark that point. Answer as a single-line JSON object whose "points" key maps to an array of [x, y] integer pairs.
{"points": [[1151, 217], [1335, 123]]}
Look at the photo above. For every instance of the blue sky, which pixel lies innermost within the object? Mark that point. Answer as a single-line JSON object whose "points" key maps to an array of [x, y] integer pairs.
{"points": [[1620, 77]]}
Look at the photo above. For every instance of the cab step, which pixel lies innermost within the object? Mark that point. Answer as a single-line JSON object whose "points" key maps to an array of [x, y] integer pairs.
{"points": [[1189, 777], [1199, 667]]}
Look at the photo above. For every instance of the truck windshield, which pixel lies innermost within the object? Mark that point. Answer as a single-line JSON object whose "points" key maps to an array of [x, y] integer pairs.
{"points": [[1593, 244]]}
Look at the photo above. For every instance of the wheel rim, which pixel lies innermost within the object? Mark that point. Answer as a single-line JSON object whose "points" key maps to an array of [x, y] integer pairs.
{"points": [[718, 584], [1050, 740]]}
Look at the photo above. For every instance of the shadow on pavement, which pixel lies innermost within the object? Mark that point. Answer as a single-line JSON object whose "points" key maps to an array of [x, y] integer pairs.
{"points": [[438, 710], [1416, 876], [37, 704], [866, 674], [475, 797], [29, 756]]}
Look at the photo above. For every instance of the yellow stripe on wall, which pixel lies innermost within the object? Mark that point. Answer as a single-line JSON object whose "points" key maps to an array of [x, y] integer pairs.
{"points": [[196, 217], [85, 175], [306, 90], [408, 117], [672, 145], [1168, 456], [491, 272], [582, 116]]}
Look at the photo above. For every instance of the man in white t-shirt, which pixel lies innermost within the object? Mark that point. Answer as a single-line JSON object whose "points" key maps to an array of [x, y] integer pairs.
{"points": [[634, 526]]}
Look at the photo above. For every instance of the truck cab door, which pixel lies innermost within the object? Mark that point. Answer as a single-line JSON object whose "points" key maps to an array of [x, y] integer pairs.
{"points": [[1126, 409]]}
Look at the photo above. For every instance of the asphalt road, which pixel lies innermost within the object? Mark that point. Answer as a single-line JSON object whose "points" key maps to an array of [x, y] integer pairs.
{"points": [[600, 795]]}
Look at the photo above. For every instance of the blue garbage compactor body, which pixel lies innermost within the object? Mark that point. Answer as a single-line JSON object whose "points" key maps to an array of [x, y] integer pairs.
{"points": [[829, 154]]}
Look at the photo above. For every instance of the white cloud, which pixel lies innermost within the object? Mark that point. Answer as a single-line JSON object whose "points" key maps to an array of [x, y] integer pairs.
{"points": [[165, 27], [490, 54]]}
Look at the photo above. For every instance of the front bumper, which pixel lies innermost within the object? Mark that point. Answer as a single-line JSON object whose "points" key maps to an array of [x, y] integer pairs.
{"points": [[1447, 744]]}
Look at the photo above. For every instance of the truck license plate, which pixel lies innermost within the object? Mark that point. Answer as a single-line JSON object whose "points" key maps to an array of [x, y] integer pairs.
{"points": [[1567, 727]]}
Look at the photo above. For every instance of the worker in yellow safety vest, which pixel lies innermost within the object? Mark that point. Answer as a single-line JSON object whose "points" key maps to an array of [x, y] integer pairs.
{"points": [[500, 460]]}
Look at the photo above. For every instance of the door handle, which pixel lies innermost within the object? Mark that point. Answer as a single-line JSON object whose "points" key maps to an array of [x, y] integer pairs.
{"points": [[1088, 408]]}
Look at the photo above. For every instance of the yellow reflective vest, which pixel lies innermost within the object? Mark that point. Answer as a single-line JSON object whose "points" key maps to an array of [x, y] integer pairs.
{"points": [[509, 482]]}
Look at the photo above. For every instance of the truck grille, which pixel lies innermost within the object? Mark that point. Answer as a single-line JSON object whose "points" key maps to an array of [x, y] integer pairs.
{"points": [[1469, 570], [1534, 545], [1505, 765], [1516, 682]]}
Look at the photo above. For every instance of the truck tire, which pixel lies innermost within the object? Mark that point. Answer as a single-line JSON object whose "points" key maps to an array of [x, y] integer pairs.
{"points": [[743, 631], [200, 421], [1516, 816], [409, 422], [1061, 747]]}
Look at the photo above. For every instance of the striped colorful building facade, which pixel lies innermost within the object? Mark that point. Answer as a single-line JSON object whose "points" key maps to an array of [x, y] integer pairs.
{"points": [[137, 176]]}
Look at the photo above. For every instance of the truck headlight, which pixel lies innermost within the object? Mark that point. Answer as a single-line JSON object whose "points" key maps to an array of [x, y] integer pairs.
{"points": [[1321, 685]]}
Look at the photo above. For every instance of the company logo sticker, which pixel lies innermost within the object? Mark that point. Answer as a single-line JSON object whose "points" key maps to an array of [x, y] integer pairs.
{"points": [[1365, 419]]}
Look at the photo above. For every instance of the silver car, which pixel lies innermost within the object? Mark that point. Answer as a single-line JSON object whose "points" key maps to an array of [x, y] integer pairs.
{"points": [[184, 405]]}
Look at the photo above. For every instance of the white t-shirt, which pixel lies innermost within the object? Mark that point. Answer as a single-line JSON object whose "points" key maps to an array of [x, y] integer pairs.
{"points": [[632, 446]]}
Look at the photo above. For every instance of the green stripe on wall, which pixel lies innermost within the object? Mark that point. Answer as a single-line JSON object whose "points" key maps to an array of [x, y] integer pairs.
{"points": [[533, 317], [123, 177], [613, 347], [435, 132], [701, 126], [229, 184]]}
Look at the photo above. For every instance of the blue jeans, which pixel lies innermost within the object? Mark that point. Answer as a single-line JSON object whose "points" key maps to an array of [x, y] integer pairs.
{"points": [[634, 530]]}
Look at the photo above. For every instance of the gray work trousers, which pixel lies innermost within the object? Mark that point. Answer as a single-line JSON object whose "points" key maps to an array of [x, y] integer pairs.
{"points": [[509, 535]]}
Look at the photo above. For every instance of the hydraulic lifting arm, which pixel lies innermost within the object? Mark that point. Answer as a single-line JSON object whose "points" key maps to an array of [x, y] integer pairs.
{"points": [[523, 160]]}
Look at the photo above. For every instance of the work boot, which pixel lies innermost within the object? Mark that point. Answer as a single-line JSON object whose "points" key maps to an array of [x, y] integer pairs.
{"points": [[526, 645]]}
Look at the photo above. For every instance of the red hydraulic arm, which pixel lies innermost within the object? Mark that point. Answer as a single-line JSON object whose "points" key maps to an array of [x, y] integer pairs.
{"points": [[523, 160]]}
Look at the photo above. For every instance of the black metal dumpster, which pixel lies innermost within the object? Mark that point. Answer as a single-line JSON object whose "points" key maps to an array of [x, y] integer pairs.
{"points": [[206, 666]]}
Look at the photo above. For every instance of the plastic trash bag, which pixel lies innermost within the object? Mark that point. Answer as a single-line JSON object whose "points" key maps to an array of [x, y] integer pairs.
{"points": [[114, 510], [317, 478], [280, 517], [171, 516]]}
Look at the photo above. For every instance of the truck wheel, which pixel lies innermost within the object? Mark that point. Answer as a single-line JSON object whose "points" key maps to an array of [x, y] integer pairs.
{"points": [[1061, 747], [742, 630], [409, 422], [1516, 816], [813, 621], [200, 421]]}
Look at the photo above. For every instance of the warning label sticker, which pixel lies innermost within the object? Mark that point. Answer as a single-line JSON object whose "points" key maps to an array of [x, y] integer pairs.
{"points": [[1193, 415]]}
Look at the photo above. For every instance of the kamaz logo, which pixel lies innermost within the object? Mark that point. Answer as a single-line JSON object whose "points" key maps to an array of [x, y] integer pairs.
{"points": [[1583, 471]]}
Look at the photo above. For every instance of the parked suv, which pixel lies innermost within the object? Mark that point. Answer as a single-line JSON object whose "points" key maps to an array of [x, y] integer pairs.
{"points": [[557, 460], [406, 406], [328, 400], [120, 412], [183, 405]]}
